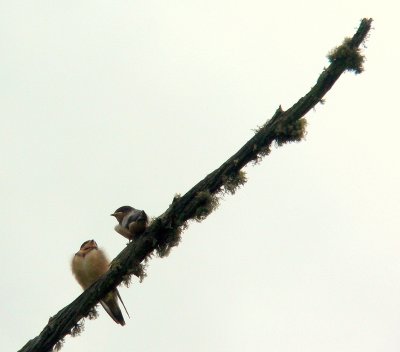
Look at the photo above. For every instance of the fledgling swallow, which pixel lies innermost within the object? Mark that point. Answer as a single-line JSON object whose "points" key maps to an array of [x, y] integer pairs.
{"points": [[87, 266], [131, 222]]}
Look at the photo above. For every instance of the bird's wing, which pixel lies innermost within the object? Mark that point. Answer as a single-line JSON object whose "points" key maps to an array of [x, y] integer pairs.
{"points": [[136, 215], [110, 305]]}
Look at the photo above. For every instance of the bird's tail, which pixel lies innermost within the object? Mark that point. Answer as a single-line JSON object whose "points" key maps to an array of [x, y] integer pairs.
{"points": [[123, 304]]}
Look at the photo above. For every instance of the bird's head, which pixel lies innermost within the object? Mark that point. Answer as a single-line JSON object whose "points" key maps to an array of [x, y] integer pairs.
{"points": [[87, 246], [121, 212]]}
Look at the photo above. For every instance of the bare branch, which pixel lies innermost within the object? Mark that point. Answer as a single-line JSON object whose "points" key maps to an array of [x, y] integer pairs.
{"points": [[164, 232]]}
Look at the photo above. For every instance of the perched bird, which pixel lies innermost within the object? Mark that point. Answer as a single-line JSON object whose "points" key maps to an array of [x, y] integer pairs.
{"points": [[131, 222], [87, 266]]}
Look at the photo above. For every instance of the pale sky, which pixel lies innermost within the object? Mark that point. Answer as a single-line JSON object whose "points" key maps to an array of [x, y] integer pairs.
{"points": [[110, 103]]}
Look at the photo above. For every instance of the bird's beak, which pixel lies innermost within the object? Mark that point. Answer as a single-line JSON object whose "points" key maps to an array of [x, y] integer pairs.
{"points": [[118, 215]]}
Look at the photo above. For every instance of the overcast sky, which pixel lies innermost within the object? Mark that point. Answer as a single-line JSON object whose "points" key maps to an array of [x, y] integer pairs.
{"points": [[109, 103]]}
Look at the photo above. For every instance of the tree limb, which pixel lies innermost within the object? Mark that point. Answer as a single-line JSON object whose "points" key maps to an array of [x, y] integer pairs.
{"points": [[197, 203]]}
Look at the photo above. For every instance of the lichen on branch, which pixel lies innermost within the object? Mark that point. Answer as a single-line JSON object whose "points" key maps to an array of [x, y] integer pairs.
{"points": [[350, 56]]}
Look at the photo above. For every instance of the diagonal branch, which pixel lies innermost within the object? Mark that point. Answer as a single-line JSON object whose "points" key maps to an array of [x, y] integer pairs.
{"points": [[197, 203]]}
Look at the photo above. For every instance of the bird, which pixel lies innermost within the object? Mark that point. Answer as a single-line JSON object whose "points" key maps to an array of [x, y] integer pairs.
{"points": [[87, 265], [131, 222]]}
